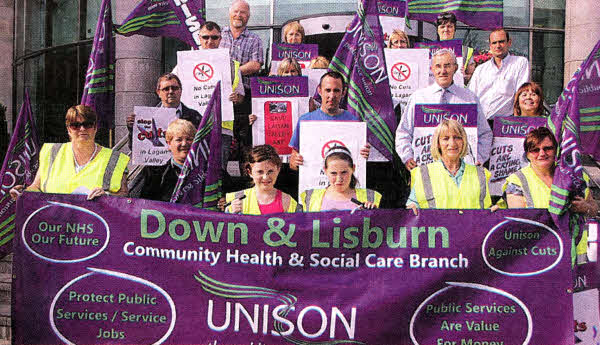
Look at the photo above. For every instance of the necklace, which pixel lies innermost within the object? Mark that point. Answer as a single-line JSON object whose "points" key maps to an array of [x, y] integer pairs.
{"points": [[79, 167]]}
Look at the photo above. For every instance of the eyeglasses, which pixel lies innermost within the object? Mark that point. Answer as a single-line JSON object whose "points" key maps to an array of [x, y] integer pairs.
{"points": [[212, 37], [169, 88], [85, 124], [536, 150]]}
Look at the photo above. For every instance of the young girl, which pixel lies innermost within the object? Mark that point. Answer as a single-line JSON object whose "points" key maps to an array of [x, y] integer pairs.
{"points": [[262, 165], [339, 169]]}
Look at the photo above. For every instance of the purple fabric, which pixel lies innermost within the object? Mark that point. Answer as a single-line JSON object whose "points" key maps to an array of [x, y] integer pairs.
{"points": [[431, 115], [171, 18], [393, 8], [433, 46], [565, 121], [199, 182], [99, 89], [285, 278], [19, 168], [516, 126], [279, 86], [360, 59], [483, 14], [300, 52]]}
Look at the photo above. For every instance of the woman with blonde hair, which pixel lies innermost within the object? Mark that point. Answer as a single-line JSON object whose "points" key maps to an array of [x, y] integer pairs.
{"points": [[398, 40], [449, 182], [289, 67], [293, 32]]}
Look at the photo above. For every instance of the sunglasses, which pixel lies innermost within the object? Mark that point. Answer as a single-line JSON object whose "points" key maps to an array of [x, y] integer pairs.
{"points": [[169, 88], [536, 150], [212, 37], [85, 124]]}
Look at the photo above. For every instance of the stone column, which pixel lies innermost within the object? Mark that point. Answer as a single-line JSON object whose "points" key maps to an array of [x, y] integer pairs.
{"points": [[6, 47], [137, 68], [582, 32]]}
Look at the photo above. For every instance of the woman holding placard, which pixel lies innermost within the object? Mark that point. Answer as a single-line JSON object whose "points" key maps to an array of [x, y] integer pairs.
{"points": [[449, 182], [341, 194], [529, 100], [262, 165], [80, 166]]}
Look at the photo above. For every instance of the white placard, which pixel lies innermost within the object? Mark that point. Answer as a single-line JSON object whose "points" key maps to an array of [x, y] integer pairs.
{"points": [[507, 157], [408, 71], [586, 317], [316, 137], [149, 146], [314, 77], [200, 71]]}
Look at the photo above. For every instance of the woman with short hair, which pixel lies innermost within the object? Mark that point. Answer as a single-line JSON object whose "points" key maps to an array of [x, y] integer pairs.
{"points": [[80, 166], [293, 32], [529, 100], [398, 40], [449, 182]]}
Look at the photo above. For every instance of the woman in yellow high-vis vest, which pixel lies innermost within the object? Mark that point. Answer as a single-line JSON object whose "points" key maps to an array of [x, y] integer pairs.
{"points": [[449, 182], [262, 165], [80, 166], [530, 187], [339, 168]]}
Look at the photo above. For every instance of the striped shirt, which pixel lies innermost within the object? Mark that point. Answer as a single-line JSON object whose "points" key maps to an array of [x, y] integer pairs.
{"points": [[247, 47]]}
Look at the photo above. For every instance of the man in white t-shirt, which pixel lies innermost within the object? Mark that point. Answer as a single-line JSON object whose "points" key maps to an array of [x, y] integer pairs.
{"points": [[496, 81]]}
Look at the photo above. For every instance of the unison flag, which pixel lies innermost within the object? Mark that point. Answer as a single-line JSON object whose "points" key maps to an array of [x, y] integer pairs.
{"points": [[171, 18], [568, 121], [99, 89], [483, 14], [199, 182], [19, 167], [360, 59]]}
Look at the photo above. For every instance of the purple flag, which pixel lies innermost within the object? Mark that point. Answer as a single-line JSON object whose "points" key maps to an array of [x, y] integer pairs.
{"points": [[99, 89], [360, 59], [589, 106], [483, 14], [565, 121], [19, 167], [199, 182], [179, 19]]}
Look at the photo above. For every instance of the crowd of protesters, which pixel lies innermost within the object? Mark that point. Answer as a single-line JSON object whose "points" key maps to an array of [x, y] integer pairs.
{"points": [[498, 87]]}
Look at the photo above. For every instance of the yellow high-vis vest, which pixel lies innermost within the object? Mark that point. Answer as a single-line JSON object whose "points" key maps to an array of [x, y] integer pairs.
{"points": [[435, 189], [314, 198], [58, 175], [250, 202]]}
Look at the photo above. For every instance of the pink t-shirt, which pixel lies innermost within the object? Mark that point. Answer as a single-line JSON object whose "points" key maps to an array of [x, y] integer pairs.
{"points": [[275, 206], [333, 205]]}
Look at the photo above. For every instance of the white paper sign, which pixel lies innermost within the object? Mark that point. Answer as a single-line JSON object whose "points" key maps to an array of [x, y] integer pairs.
{"points": [[408, 71], [149, 146], [314, 77], [200, 71], [586, 317], [316, 137]]}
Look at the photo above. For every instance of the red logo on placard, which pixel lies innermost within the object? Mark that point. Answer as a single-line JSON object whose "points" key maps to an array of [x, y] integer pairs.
{"points": [[400, 71], [330, 144], [203, 72]]}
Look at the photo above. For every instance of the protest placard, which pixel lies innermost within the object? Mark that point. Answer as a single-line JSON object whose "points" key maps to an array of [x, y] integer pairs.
{"points": [[149, 145], [303, 53], [314, 77], [428, 116], [277, 102], [408, 71], [391, 16], [200, 71], [453, 45], [128, 271], [316, 137], [507, 155]]}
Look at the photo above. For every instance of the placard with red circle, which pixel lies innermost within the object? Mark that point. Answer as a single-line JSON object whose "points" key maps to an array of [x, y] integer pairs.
{"points": [[329, 145], [400, 71], [203, 72]]}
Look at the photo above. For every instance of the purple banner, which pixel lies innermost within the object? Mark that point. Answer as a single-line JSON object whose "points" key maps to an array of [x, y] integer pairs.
{"points": [[589, 107], [131, 271], [517, 126], [19, 168], [279, 86], [300, 52], [433, 46], [360, 59], [483, 14], [392, 8], [431, 115], [200, 180], [99, 89], [171, 18]]}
